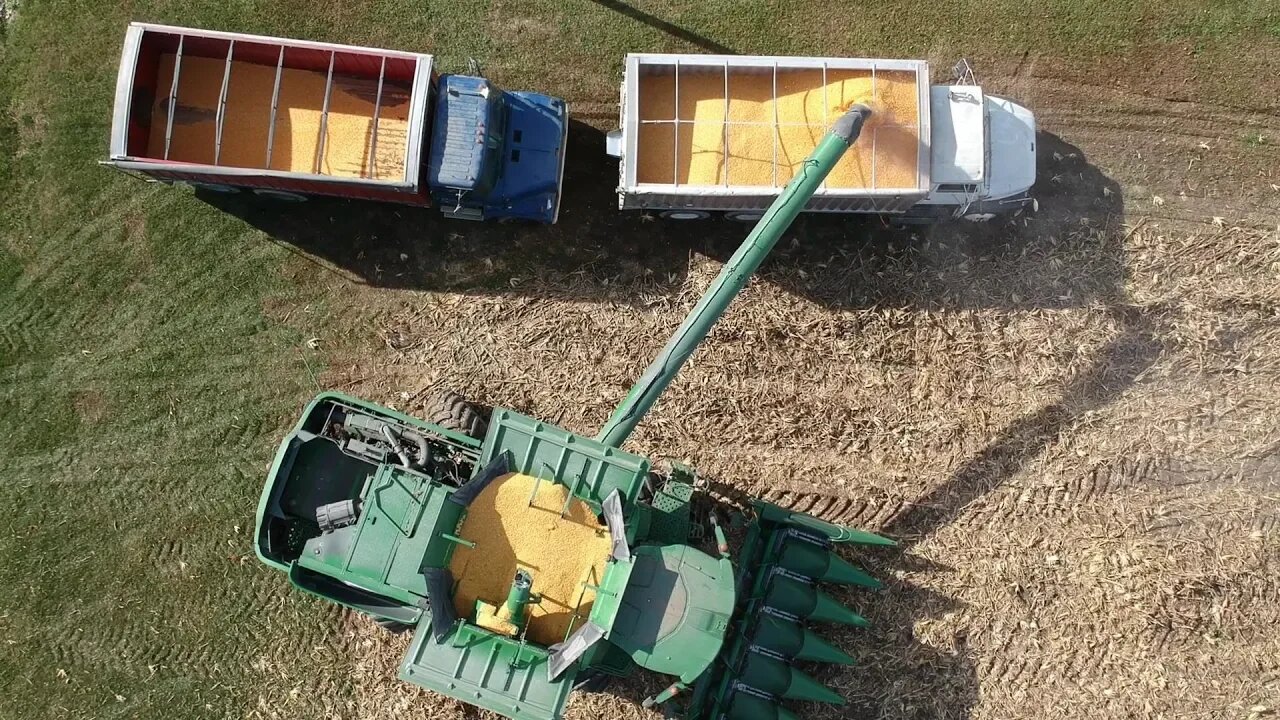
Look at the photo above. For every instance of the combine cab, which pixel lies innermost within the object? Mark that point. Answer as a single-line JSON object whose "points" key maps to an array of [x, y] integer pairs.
{"points": [[529, 560]]}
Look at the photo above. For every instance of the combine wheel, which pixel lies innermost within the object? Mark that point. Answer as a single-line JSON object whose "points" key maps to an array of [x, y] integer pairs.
{"points": [[451, 411], [593, 682]]}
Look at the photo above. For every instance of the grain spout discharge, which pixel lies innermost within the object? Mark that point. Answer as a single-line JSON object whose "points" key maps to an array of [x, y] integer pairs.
{"points": [[705, 125]]}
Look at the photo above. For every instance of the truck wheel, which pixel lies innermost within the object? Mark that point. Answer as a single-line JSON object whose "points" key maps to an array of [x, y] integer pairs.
{"points": [[451, 411], [393, 626], [744, 216], [281, 195], [215, 187], [912, 222], [684, 215]]}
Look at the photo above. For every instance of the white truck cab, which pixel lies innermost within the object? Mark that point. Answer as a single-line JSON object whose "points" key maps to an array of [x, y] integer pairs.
{"points": [[983, 151]]}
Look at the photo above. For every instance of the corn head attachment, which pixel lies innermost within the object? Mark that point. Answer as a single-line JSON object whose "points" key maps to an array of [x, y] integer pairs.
{"points": [[784, 561], [533, 561]]}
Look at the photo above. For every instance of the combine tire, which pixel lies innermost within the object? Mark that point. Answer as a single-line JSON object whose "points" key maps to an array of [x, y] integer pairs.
{"points": [[594, 682], [451, 411]]}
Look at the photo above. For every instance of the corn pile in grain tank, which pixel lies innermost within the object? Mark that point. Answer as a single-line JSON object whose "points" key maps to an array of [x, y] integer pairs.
{"points": [[701, 134], [531, 561]]}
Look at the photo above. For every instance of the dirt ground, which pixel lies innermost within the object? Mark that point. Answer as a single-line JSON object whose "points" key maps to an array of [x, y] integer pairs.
{"points": [[1067, 420]]}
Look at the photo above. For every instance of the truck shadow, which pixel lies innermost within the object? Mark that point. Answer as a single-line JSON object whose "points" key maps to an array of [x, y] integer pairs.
{"points": [[1067, 254]]}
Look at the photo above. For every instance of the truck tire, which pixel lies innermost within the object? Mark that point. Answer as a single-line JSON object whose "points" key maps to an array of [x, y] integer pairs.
{"points": [[214, 187], [744, 216], [684, 214], [281, 195], [451, 411]]}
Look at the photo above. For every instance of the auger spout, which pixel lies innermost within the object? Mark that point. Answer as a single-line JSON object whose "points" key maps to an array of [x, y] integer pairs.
{"points": [[744, 263]]}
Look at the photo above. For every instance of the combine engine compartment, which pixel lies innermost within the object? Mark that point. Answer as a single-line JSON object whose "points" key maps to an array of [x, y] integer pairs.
{"points": [[330, 458]]}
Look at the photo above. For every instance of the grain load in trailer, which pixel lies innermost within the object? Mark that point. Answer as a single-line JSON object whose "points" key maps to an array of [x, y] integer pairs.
{"points": [[307, 139], [294, 118], [739, 126]]}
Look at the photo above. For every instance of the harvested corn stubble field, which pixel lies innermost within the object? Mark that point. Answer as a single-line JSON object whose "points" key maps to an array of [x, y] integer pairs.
{"points": [[1085, 495], [1068, 420]]}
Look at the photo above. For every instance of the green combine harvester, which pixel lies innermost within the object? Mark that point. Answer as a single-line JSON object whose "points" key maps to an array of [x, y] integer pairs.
{"points": [[529, 561]]}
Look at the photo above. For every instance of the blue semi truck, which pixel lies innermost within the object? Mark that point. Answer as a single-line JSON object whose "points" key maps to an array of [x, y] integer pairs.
{"points": [[289, 119]]}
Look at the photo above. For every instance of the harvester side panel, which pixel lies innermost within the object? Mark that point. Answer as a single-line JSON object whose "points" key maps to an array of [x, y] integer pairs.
{"points": [[590, 469], [401, 518]]}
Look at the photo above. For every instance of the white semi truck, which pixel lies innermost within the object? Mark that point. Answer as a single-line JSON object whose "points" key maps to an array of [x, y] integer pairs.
{"points": [[704, 134]]}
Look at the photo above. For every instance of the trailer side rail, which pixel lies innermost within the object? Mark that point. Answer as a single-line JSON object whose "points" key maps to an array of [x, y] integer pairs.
{"points": [[173, 96], [377, 111], [221, 115], [679, 67], [275, 108]]}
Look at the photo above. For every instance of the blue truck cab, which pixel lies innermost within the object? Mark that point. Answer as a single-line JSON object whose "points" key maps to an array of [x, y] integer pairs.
{"points": [[496, 154]]}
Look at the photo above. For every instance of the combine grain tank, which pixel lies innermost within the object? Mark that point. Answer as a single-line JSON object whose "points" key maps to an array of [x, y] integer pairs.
{"points": [[707, 133], [291, 118]]}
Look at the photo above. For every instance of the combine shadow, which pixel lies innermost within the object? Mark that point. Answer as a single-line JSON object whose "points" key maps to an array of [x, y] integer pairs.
{"points": [[1118, 365], [1069, 253], [903, 677], [896, 674]]}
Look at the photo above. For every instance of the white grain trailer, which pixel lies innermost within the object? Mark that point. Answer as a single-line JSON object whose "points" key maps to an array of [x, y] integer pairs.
{"points": [[701, 134]]}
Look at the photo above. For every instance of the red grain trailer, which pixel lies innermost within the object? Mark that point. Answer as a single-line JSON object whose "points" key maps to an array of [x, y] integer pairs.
{"points": [[223, 110]]}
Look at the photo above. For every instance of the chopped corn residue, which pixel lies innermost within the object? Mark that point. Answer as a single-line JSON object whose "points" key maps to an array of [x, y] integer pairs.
{"points": [[711, 129], [510, 532], [495, 619], [247, 119]]}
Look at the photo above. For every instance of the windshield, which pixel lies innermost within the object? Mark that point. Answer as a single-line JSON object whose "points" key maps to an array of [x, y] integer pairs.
{"points": [[495, 136]]}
